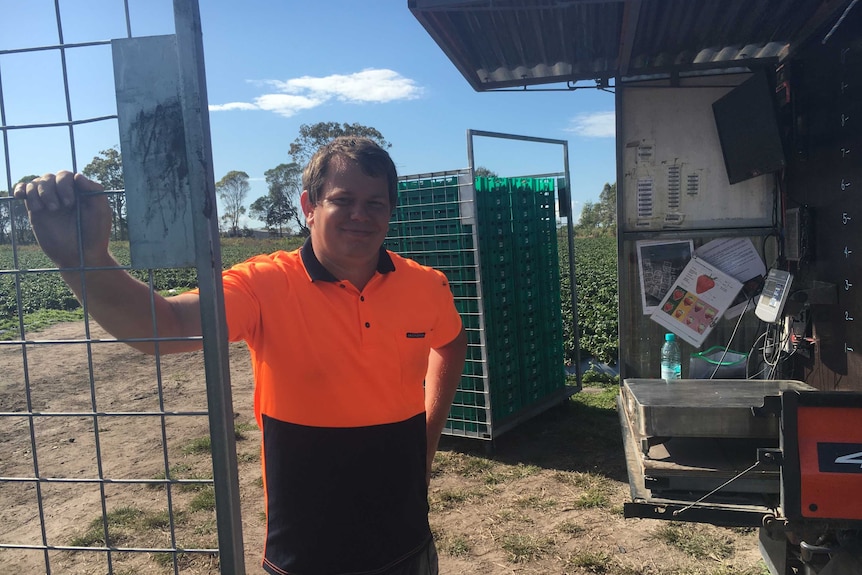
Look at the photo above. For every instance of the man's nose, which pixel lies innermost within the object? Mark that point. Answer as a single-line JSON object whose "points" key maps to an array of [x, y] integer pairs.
{"points": [[359, 211]]}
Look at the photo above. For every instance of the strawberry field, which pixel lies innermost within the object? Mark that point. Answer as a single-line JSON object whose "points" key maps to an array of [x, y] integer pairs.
{"points": [[596, 288], [596, 277]]}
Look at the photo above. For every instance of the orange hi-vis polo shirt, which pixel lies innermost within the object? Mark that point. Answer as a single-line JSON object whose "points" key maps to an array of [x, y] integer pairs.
{"points": [[339, 397]]}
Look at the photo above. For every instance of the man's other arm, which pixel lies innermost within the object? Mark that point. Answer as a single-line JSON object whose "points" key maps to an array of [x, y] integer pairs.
{"points": [[445, 366]]}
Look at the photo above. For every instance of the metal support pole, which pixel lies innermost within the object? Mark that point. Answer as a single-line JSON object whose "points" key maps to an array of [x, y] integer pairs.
{"points": [[193, 96], [573, 284]]}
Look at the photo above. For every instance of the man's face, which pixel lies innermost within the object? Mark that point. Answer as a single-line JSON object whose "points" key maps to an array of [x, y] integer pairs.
{"points": [[351, 219]]}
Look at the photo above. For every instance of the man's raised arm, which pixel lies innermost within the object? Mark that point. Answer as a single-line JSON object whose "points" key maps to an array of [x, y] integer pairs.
{"points": [[117, 301]]}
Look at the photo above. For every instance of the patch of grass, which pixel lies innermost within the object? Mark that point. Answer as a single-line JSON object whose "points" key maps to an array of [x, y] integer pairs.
{"points": [[240, 429], [761, 569], [504, 473], [248, 457], [587, 480], [505, 515], [571, 528], [163, 559], [122, 522], [204, 483], [592, 498], [597, 562], [523, 547], [695, 540], [176, 472], [198, 446], [596, 488], [457, 546], [604, 398], [208, 527], [183, 471], [166, 559], [453, 545], [204, 500], [161, 520], [91, 538], [95, 534], [462, 464], [493, 478], [536, 502], [451, 498], [524, 470]]}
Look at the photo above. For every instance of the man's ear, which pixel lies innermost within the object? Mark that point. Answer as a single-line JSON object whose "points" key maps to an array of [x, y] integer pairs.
{"points": [[305, 204]]}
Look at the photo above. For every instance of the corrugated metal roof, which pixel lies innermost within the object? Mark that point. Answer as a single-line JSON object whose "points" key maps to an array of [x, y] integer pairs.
{"points": [[514, 43]]}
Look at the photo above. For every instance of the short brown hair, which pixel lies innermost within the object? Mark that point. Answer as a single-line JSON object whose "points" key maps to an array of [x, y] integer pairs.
{"points": [[372, 159]]}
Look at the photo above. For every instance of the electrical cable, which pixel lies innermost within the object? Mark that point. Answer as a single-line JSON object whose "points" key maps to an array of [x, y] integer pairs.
{"points": [[772, 360], [730, 340], [750, 353]]}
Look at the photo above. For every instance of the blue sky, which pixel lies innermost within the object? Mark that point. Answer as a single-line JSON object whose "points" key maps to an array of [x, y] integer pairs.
{"points": [[273, 66]]}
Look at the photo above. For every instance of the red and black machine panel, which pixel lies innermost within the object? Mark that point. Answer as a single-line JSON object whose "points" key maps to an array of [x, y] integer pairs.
{"points": [[822, 448]]}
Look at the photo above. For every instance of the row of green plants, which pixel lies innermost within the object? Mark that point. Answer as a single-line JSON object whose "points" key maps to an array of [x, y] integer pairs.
{"points": [[596, 291], [596, 286]]}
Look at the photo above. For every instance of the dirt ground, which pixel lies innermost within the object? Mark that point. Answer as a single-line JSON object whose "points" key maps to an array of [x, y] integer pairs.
{"points": [[546, 499]]}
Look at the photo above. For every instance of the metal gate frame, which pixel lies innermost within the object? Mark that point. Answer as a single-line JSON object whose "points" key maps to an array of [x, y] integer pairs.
{"points": [[565, 207], [207, 253]]}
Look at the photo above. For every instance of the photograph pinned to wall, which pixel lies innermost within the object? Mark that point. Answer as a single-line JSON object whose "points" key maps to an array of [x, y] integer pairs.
{"points": [[660, 263], [698, 299]]}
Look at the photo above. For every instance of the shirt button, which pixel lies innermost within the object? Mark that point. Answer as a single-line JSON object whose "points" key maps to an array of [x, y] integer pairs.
{"points": [[362, 298], [367, 324], [341, 286]]}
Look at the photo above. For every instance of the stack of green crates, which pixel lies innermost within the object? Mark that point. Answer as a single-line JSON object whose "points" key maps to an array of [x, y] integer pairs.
{"points": [[496, 242]]}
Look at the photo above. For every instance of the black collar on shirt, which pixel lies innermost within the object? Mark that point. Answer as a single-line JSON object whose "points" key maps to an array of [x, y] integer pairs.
{"points": [[316, 271]]}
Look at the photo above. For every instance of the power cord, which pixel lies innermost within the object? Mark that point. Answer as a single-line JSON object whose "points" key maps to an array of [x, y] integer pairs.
{"points": [[733, 333], [730, 341]]}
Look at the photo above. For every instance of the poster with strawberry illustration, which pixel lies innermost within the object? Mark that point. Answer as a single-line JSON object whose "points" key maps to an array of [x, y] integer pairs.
{"points": [[697, 300]]}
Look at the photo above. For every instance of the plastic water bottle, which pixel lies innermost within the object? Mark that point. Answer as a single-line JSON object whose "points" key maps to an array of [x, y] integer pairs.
{"points": [[671, 357]]}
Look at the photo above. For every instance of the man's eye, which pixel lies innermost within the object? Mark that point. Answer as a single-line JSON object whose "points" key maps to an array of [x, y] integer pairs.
{"points": [[339, 201]]}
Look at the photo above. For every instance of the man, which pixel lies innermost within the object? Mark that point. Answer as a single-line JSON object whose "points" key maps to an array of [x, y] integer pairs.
{"points": [[342, 335]]}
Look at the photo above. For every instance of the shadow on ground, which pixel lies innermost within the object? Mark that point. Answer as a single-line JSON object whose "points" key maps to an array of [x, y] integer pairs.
{"points": [[577, 435]]}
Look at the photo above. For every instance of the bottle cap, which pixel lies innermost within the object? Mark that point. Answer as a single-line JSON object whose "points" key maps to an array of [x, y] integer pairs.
{"points": [[669, 337]]}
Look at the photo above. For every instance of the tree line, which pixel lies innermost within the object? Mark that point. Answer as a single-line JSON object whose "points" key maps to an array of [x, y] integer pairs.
{"points": [[279, 209], [599, 219]]}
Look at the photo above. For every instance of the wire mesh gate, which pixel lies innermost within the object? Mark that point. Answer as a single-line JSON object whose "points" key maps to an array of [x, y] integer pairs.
{"points": [[94, 469]]}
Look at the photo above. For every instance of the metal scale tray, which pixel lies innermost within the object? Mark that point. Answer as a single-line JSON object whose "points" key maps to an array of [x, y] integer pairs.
{"points": [[719, 408], [688, 437]]}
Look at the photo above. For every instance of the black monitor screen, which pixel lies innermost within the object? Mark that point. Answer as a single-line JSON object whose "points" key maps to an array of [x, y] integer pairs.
{"points": [[748, 130]]}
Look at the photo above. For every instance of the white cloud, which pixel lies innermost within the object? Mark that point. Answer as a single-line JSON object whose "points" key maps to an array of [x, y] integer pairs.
{"points": [[594, 125], [297, 94], [285, 104], [232, 106]]}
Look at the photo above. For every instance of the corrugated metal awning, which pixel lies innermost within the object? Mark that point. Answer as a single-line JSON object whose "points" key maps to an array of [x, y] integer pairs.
{"points": [[518, 43]]}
